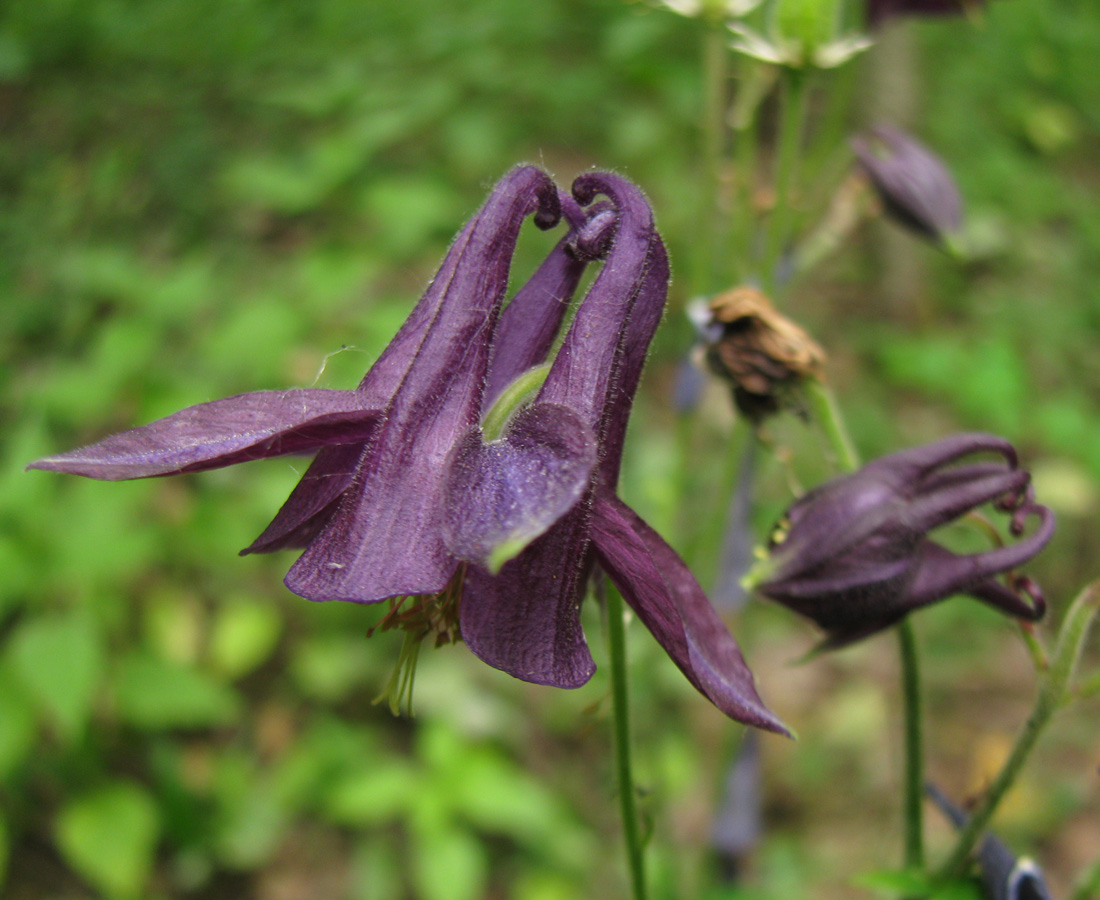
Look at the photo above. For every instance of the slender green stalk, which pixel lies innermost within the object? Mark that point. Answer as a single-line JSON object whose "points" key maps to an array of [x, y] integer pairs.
{"points": [[832, 423], [979, 820], [792, 126], [754, 83], [1054, 691], [616, 647], [714, 130], [914, 761]]}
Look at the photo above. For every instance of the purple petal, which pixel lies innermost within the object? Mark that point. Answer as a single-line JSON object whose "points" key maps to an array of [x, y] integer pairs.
{"points": [[312, 502], [222, 433], [505, 493], [913, 182], [931, 509], [1009, 601], [589, 368], [943, 573], [667, 598], [384, 537], [909, 466], [526, 620]]}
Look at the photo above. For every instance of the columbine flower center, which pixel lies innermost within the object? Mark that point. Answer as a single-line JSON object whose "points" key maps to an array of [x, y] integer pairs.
{"points": [[419, 615]]}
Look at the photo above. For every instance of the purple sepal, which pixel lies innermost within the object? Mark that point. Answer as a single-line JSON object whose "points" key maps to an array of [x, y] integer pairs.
{"points": [[661, 589], [223, 433]]}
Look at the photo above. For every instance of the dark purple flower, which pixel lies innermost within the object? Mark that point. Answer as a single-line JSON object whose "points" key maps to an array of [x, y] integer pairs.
{"points": [[854, 554], [878, 11], [913, 183], [490, 536]]}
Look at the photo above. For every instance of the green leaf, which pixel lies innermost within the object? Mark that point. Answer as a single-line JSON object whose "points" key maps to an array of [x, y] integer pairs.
{"points": [[374, 795], [900, 882], [156, 694], [60, 660], [109, 836], [449, 865]]}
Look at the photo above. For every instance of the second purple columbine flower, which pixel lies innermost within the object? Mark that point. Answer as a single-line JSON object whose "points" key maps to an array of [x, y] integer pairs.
{"points": [[855, 556], [473, 490]]}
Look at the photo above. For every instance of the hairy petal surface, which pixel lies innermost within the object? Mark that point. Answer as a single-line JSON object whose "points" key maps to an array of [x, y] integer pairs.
{"points": [[222, 433], [662, 591], [384, 537]]}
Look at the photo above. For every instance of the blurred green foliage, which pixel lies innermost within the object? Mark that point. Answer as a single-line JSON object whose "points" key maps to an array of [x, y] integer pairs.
{"points": [[201, 198]]}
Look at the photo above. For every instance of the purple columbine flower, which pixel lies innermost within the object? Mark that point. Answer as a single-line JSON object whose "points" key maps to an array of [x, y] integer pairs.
{"points": [[486, 532], [878, 11], [854, 555], [915, 186]]}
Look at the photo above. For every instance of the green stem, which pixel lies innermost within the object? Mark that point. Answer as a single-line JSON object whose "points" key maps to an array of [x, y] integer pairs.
{"points": [[1054, 691], [714, 127], [792, 126], [979, 820], [914, 762], [616, 647], [754, 83], [832, 423]]}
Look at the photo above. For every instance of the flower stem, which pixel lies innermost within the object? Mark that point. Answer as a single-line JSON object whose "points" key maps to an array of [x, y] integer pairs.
{"points": [[914, 762], [831, 421], [792, 125], [1054, 690], [616, 648], [713, 127], [832, 424]]}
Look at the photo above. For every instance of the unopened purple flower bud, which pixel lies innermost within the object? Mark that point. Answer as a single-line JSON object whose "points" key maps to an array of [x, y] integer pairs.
{"points": [[854, 555], [914, 184]]}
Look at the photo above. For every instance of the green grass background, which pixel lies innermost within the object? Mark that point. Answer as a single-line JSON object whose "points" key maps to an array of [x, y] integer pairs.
{"points": [[202, 198]]}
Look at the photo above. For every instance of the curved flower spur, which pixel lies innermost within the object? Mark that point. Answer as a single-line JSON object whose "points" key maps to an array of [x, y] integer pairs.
{"points": [[409, 499], [854, 555]]}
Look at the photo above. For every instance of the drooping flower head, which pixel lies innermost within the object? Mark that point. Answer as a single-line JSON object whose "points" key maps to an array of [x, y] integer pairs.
{"points": [[474, 522], [764, 355], [855, 556], [914, 184]]}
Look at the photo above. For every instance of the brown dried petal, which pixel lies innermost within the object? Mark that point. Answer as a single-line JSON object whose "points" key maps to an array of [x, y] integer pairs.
{"points": [[760, 350]]}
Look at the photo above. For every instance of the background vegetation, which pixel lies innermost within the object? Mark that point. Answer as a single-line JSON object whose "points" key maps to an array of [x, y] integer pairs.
{"points": [[208, 197]]}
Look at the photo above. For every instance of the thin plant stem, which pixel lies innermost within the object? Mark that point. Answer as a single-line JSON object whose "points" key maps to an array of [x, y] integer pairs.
{"points": [[1054, 692], [832, 424], [754, 83], [616, 648], [914, 762], [829, 417], [714, 129], [791, 128], [979, 819]]}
